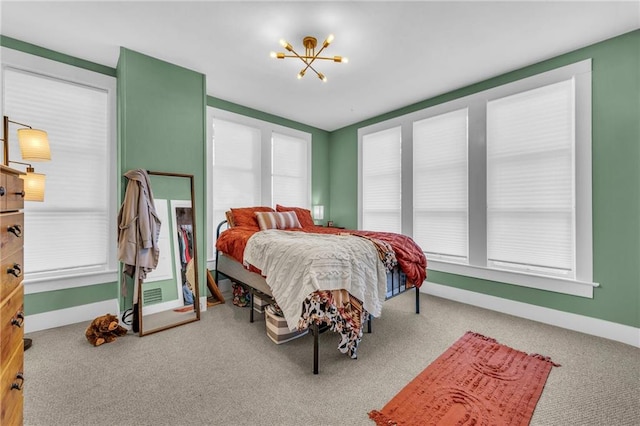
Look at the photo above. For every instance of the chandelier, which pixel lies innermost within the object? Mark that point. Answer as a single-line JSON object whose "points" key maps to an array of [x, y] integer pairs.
{"points": [[310, 54]]}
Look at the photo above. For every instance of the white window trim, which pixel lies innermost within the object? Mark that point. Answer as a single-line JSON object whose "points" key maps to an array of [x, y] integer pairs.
{"points": [[266, 129], [58, 70], [583, 284]]}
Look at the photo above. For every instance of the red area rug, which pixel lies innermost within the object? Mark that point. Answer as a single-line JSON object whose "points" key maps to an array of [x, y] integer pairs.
{"points": [[477, 381]]}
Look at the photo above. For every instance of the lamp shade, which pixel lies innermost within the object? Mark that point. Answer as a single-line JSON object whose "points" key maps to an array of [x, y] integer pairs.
{"points": [[318, 212], [34, 145], [33, 186]]}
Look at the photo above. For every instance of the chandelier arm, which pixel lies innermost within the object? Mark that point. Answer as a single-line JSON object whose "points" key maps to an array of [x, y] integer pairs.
{"points": [[298, 56], [313, 58], [313, 69], [317, 55], [308, 57]]}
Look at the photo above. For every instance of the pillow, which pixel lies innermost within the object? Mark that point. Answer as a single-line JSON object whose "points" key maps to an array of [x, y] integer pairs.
{"points": [[304, 215], [229, 216], [273, 220], [245, 216], [288, 220]]}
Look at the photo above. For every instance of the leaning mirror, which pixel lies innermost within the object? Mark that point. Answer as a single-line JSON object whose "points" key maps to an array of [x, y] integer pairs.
{"points": [[169, 294]]}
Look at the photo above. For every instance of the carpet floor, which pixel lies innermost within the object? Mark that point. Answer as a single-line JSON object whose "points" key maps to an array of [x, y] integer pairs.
{"points": [[223, 370]]}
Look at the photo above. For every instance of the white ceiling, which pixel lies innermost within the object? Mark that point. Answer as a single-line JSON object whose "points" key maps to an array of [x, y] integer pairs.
{"points": [[399, 52]]}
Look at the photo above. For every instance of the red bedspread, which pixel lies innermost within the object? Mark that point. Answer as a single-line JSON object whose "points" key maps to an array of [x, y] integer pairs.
{"points": [[409, 255]]}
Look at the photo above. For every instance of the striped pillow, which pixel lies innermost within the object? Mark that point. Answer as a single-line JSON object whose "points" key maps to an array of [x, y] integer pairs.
{"points": [[288, 220], [273, 220]]}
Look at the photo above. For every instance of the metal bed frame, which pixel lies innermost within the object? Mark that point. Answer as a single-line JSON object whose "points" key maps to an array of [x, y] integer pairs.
{"points": [[396, 284]]}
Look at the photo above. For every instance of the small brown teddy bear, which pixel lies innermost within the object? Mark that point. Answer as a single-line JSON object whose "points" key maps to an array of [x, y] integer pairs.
{"points": [[104, 329]]}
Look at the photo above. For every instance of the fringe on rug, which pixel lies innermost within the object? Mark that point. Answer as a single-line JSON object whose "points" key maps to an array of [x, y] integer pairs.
{"points": [[381, 419], [492, 340], [544, 358], [480, 336]]}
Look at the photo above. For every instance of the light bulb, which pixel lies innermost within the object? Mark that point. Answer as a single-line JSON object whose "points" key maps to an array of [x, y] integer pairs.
{"points": [[328, 40]]}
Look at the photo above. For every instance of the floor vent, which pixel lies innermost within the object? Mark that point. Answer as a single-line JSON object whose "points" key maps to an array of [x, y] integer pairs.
{"points": [[153, 295]]}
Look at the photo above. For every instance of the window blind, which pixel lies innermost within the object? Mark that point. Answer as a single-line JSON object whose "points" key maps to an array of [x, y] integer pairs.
{"points": [[530, 180], [290, 167], [237, 167], [381, 180], [70, 230], [440, 194]]}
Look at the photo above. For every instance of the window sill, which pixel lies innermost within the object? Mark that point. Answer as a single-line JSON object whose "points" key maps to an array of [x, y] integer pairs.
{"points": [[557, 285], [41, 285]]}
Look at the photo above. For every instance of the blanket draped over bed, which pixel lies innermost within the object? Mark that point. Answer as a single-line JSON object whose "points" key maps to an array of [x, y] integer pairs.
{"points": [[341, 309], [297, 264]]}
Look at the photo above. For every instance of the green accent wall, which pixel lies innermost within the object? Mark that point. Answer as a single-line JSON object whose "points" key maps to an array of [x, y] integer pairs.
{"points": [[616, 182], [161, 124], [37, 303]]}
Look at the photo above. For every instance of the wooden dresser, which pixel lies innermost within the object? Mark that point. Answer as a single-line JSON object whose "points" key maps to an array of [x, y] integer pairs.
{"points": [[11, 297]]}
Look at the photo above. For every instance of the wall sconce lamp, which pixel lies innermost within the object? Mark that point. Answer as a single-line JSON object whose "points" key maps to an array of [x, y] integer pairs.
{"points": [[318, 212], [34, 146]]}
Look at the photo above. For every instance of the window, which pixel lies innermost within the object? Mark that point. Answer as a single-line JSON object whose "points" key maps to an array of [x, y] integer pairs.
{"points": [[70, 239], [440, 198], [530, 181], [236, 161], [380, 183], [254, 163], [497, 184], [290, 171]]}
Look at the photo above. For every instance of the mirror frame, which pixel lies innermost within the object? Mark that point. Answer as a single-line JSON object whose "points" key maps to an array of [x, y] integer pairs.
{"points": [[196, 297]]}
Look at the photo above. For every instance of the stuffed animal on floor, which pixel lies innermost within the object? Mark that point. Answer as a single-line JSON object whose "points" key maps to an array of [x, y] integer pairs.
{"points": [[104, 329]]}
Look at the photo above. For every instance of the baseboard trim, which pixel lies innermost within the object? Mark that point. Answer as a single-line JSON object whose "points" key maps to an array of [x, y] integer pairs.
{"points": [[66, 316], [583, 324]]}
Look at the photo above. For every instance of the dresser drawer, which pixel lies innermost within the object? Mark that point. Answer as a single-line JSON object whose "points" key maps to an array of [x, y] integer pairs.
{"points": [[11, 237], [13, 197], [11, 324], [11, 272], [12, 389]]}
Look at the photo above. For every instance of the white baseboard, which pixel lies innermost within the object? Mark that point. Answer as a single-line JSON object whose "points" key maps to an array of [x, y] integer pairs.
{"points": [[593, 326], [583, 324], [203, 304], [71, 315]]}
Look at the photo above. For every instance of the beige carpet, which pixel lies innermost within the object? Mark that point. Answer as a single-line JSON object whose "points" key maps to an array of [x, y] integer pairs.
{"points": [[223, 370]]}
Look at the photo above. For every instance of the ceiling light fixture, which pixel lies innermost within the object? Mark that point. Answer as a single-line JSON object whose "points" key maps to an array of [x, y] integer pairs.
{"points": [[310, 54]]}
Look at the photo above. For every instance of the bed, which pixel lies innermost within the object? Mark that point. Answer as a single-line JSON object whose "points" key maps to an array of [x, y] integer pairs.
{"points": [[320, 278]]}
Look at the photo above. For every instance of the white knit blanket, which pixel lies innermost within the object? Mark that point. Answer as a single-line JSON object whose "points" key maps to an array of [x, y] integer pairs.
{"points": [[296, 264]]}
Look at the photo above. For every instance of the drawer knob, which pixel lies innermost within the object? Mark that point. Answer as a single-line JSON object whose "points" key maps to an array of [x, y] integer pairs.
{"points": [[21, 193], [15, 230], [2, 191], [19, 382], [15, 270], [18, 320]]}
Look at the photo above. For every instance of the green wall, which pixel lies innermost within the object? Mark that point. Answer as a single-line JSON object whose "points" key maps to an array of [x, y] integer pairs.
{"points": [[162, 122], [616, 182]]}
